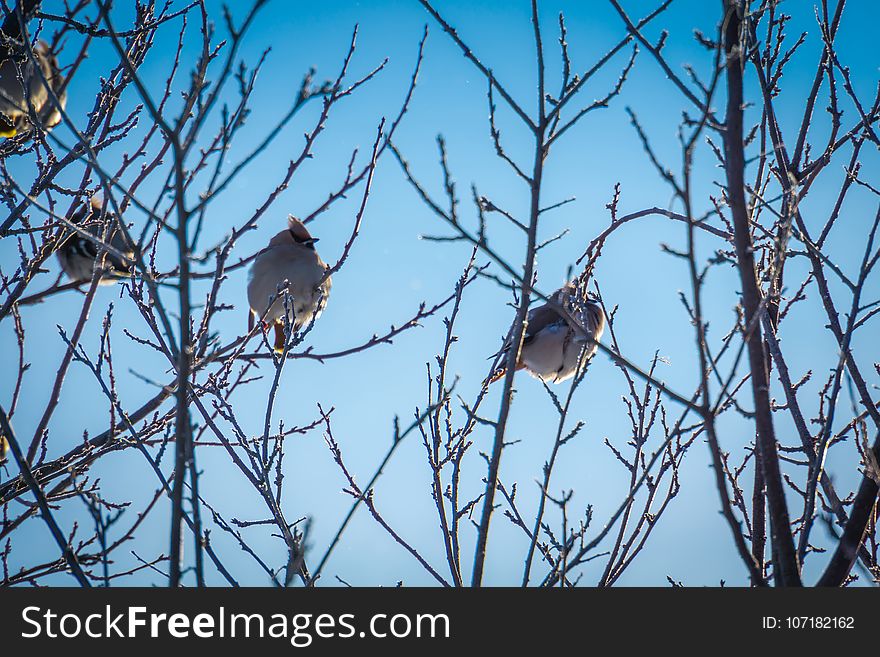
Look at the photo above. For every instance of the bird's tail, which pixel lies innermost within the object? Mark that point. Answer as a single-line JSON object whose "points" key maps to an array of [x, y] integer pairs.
{"points": [[280, 337], [296, 566], [499, 374], [496, 375]]}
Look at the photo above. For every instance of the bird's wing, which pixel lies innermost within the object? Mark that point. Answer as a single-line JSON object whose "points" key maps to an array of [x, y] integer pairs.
{"points": [[77, 246], [117, 241], [49, 114], [539, 319]]}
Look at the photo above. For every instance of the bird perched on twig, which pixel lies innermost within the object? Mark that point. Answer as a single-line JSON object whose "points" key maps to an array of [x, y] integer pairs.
{"points": [[77, 254], [290, 265], [554, 341], [26, 79]]}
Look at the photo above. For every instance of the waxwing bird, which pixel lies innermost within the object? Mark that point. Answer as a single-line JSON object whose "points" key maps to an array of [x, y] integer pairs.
{"points": [[77, 254], [290, 257], [24, 94], [552, 345]]}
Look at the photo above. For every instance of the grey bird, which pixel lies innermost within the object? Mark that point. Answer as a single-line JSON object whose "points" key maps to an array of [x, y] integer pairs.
{"points": [[552, 344], [290, 265], [24, 94], [77, 254]]}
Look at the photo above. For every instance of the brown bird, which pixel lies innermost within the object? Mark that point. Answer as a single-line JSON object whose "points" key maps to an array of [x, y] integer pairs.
{"points": [[552, 345], [290, 265], [24, 95], [77, 254]]}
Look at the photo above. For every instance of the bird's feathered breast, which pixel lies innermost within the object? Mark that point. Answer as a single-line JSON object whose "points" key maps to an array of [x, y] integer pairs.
{"points": [[298, 264]]}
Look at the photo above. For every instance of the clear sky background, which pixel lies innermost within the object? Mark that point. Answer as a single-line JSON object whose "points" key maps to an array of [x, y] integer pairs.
{"points": [[391, 270]]}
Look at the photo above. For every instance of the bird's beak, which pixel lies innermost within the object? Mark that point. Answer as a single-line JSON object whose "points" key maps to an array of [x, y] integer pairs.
{"points": [[8, 133], [315, 239]]}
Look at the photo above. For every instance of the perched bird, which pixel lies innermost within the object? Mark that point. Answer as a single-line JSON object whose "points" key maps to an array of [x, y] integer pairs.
{"points": [[290, 257], [23, 80], [552, 345], [77, 254]]}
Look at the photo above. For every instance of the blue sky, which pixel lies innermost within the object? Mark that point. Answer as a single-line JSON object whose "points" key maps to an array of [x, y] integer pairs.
{"points": [[391, 270]]}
